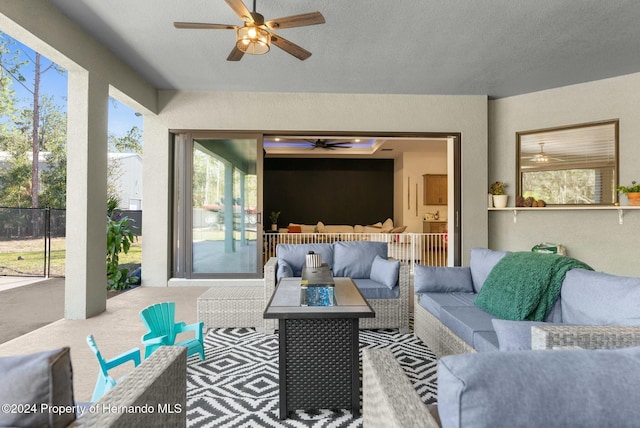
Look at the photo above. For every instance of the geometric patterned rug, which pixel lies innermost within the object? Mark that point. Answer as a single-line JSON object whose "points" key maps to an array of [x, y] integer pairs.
{"points": [[237, 383]]}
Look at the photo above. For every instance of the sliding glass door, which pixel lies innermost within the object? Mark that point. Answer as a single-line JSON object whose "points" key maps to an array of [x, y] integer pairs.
{"points": [[217, 200]]}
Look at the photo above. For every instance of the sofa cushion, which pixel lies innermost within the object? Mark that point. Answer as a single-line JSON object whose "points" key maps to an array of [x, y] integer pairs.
{"points": [[385, 271], [434, 301], [371, 289], [560, 388], [442, 279], [485, 341], [466, 320], [338, 228], [596, 298], [516, 335], [41, 380], [294, 255], [482, 261], [353, 259], [305, 228]]}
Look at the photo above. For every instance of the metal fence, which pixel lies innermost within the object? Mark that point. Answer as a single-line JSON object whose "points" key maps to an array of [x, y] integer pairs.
{"points": [[428, 249], [32, 240]]}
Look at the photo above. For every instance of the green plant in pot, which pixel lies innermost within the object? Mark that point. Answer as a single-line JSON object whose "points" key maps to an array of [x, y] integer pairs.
{"points": [[499, 197], [274, 219], [632, 192]]}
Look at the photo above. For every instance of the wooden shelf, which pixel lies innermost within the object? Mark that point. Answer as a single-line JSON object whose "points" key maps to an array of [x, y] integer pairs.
{"points": [[619, 209]]}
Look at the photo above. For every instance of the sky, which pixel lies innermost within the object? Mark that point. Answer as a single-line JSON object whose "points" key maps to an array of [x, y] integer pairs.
{"points": [[121, 117]]}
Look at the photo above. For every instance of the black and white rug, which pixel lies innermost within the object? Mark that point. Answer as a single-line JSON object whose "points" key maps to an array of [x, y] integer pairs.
{"points": [[237, 383]]}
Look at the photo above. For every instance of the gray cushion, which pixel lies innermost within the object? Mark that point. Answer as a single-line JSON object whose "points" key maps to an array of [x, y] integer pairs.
{"points": [[481, 263], [485, 341], [354, 259], [516, 335], [464, 321], [41, 379], [284, 270], [442, 279], [434, 301], [596, 298], [295, 255], [560, 388], [371, 289], [385, 272]]}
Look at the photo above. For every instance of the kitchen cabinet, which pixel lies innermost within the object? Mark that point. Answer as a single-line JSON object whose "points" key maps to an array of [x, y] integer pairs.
{"points": [[435, 189]]}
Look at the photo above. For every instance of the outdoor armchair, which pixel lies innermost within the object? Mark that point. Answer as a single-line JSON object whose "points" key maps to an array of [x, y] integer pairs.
{"points": [[163, 330], [105, 382]]}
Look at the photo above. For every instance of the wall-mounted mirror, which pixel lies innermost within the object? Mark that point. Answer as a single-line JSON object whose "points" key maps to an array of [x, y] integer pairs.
{"points": [[570, 165]]}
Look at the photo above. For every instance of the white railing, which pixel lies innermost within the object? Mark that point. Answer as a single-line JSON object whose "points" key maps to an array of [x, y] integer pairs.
{"points": [[428, 249]]}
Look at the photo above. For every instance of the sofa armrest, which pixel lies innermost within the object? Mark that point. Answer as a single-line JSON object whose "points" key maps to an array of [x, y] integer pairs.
{"points": [[388, 398], [587, 337], [270, 277], [159, 383]]}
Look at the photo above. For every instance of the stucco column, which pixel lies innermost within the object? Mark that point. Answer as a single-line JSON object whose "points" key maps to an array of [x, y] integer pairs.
{"points": [[86, 241]]}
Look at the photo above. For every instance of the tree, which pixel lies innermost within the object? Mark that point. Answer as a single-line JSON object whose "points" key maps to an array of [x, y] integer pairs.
{"points": [[129, 143]]}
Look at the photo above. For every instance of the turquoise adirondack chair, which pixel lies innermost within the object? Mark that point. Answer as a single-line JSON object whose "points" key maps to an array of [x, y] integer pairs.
{"points": [[105, 382], [163, 330]]}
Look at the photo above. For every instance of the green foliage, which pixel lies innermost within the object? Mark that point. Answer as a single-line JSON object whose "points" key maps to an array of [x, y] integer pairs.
{"points": [[274, 217], [129, 143], [497, 188], [635, 187], [119, 239]]}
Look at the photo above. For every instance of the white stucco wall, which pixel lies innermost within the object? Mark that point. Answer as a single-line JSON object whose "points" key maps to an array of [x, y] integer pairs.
{"points": [[592, 236]]}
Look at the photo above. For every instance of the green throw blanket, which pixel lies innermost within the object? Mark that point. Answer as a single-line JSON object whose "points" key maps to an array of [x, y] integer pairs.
{"points": [[524, 285]]}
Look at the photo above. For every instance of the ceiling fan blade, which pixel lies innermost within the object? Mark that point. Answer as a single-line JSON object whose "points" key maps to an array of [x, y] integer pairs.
{"points": [[290, 47], [204, 26], [312, 18], [240, 9], [235, 55]]}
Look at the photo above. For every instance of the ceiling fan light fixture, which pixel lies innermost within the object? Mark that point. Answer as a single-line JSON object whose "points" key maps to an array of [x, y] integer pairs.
{"points": [[253, 40]]}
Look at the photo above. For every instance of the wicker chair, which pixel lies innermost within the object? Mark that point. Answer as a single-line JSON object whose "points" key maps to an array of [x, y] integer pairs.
{"points": [[389, 399], [390, 313]]}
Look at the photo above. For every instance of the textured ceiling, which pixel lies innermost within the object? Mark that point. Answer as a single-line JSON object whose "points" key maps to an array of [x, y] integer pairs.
{"points": [[456, 47]]}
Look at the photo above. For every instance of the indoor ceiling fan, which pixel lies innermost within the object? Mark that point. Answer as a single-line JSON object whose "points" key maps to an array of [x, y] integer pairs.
{"points": [[255, 36], [328, 144], [542, 156]]}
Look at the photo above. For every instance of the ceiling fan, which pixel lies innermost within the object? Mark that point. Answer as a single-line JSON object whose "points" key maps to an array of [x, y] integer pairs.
{"points": [[328, 144], [256, 36], [542, 156]]}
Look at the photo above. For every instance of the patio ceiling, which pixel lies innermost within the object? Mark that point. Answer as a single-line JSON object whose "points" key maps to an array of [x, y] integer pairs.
{"points": [[494, 48]]}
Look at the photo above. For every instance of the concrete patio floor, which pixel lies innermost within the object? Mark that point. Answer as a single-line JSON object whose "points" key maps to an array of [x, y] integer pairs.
{"points": [[116, 330]]}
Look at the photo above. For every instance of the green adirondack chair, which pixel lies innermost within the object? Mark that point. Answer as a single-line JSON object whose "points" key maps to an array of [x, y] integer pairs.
{"points": [[163, 330], [105, 382]]}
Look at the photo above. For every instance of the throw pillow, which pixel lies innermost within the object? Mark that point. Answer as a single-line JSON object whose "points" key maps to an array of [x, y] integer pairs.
{"points": [[516, 335], [597, 298], [38, 380], [385, 271], [388, 224], [442, 279], [399, 229], [284, 270], [560, 388], [320, 227], [295, 229]]}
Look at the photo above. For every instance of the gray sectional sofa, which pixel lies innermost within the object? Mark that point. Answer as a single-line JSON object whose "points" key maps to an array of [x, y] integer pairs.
{"points": [[448, 321], [385, 283]]}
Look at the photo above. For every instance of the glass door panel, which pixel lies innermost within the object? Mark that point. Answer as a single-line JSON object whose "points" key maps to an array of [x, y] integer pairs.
{"points": [[218, 217]]}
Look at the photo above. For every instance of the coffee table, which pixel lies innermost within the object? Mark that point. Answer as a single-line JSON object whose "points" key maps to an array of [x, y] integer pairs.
{"points": [[319, 350]]}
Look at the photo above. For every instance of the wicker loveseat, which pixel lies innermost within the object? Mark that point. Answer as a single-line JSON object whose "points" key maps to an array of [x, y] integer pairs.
{"points": [[580, 390], [391, 307]]}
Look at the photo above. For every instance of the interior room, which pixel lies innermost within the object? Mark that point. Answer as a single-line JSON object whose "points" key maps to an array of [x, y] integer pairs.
{"points": [[353, 119]]}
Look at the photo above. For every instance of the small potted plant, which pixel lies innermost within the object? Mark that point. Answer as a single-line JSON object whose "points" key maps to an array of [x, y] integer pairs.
{"points": [[274, 220], [496, 189], [632, 192]]}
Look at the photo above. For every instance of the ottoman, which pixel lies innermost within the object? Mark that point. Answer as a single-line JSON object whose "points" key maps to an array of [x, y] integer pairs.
{"points": [[232, 306]]}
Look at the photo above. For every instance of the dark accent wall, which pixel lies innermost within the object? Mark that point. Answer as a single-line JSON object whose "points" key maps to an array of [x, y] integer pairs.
{"points": [[334, 191]]}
